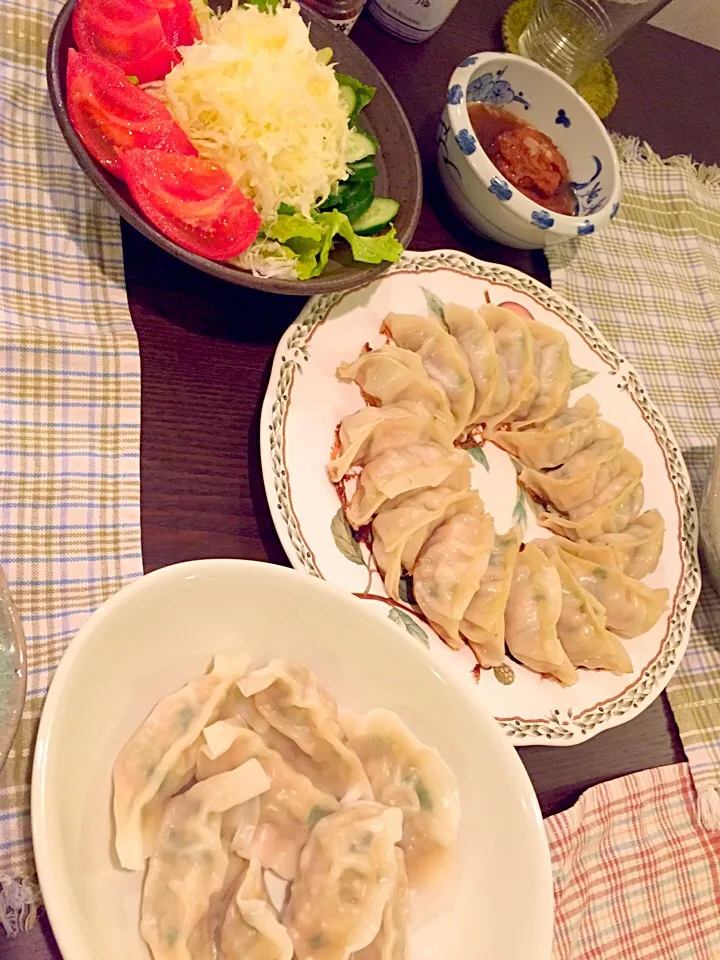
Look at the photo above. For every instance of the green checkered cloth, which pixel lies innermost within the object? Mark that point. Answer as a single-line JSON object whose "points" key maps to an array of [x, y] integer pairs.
{"points": [[651, 282], [69, 403]]}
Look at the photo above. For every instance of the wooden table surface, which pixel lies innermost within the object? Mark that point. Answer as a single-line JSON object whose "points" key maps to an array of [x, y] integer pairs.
{"points": [[206, 349]]}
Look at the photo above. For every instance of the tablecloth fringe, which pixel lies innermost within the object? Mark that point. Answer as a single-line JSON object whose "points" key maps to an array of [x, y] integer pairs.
{"points": [[631, 149], [19, 903], [708, 805]]}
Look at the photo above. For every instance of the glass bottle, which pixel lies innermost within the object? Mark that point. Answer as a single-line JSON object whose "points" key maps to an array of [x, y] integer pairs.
{"points": [[411, 20], [341, 13]]}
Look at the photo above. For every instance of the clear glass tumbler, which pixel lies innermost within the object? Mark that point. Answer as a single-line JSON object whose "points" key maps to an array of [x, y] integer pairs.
{"points": [[567, 36]]}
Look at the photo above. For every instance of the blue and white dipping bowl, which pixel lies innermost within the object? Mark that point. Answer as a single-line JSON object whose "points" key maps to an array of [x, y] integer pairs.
{"points": [[485, 199]]}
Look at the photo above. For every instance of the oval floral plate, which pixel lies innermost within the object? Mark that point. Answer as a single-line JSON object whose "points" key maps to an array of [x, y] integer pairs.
{"points": [[305, 402]]}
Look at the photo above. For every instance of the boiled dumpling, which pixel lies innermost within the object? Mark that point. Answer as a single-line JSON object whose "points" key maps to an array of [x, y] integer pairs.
{"points": [[514, 348], [348, 872], [636, 550], [289, 697], [159, 758], [189, 862], [367, 432], [400, 470], [553, 443], [405, 773], [450, 566], [442, 358], [612, 509], [578, 480], [630, 606], [478, 344], [402, 525], [552, 370], [288, 810], [392, 375], [483, 624], [531, 616], [251, 929], [391, 943], [581, 626]]}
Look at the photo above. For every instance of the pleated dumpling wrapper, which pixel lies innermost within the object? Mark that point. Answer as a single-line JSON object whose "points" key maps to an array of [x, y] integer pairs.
{"points": [[450, 566], [287, 811], [289, 698], [532, 614], [441, 356], [406, 773], [190, 859], [251, 929], [159, 758], [393, 375], [347, 875], [483, 624], [631, 607], [553, 443], [581, 626], [403, 525]]}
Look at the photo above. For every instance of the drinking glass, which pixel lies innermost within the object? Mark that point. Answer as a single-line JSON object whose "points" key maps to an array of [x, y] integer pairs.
{"points": [[567, 36]]}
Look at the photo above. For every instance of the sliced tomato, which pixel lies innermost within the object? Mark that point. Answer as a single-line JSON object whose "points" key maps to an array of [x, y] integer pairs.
{"points": [[128, 33], [192, 201], [110, 114], [179, 22]]}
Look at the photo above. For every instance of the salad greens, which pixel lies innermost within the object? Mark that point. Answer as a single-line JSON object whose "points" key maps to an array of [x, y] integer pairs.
{"points": [[352, 211], [363, 94], [308, 240]]}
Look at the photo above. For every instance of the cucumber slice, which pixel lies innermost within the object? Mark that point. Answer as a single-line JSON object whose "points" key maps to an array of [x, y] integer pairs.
{"points": [[363, 170], [378, 215], [348, 98], [359, 146]]}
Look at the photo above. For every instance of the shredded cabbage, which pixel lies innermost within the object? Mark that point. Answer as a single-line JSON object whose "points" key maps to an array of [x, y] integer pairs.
{"points": [[255, 98]]}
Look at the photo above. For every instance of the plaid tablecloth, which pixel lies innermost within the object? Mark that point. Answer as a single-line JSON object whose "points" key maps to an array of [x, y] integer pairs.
{"points": [[69, 401], [651, 282], [636, 875]]}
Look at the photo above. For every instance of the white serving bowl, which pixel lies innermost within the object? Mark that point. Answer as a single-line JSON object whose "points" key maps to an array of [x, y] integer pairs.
{"points": [[482, 196], [160, 631]]}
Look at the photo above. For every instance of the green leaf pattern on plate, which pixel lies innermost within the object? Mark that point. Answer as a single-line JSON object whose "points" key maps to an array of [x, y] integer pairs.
{"points": [[477, 453], [580, 376], [520, 511], [434, 304], [405, 620], [344, 539]]}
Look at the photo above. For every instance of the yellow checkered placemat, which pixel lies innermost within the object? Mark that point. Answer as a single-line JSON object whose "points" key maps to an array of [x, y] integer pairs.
{"points": [[70, 401]]}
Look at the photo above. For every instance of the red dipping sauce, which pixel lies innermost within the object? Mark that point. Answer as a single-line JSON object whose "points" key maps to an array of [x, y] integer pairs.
{"points": [[525, 157]]}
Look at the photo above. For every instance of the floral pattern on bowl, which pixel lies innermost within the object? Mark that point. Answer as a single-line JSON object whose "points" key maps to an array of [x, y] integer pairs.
{"points": [[500, 188], [542, 219], [466, 141], [591, 195], [494, 90], [534, 94]]}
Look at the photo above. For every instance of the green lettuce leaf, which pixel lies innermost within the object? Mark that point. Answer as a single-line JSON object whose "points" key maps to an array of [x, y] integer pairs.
{"points": [[364, 249], [363, 93], [294, 225], [310, 241]]}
